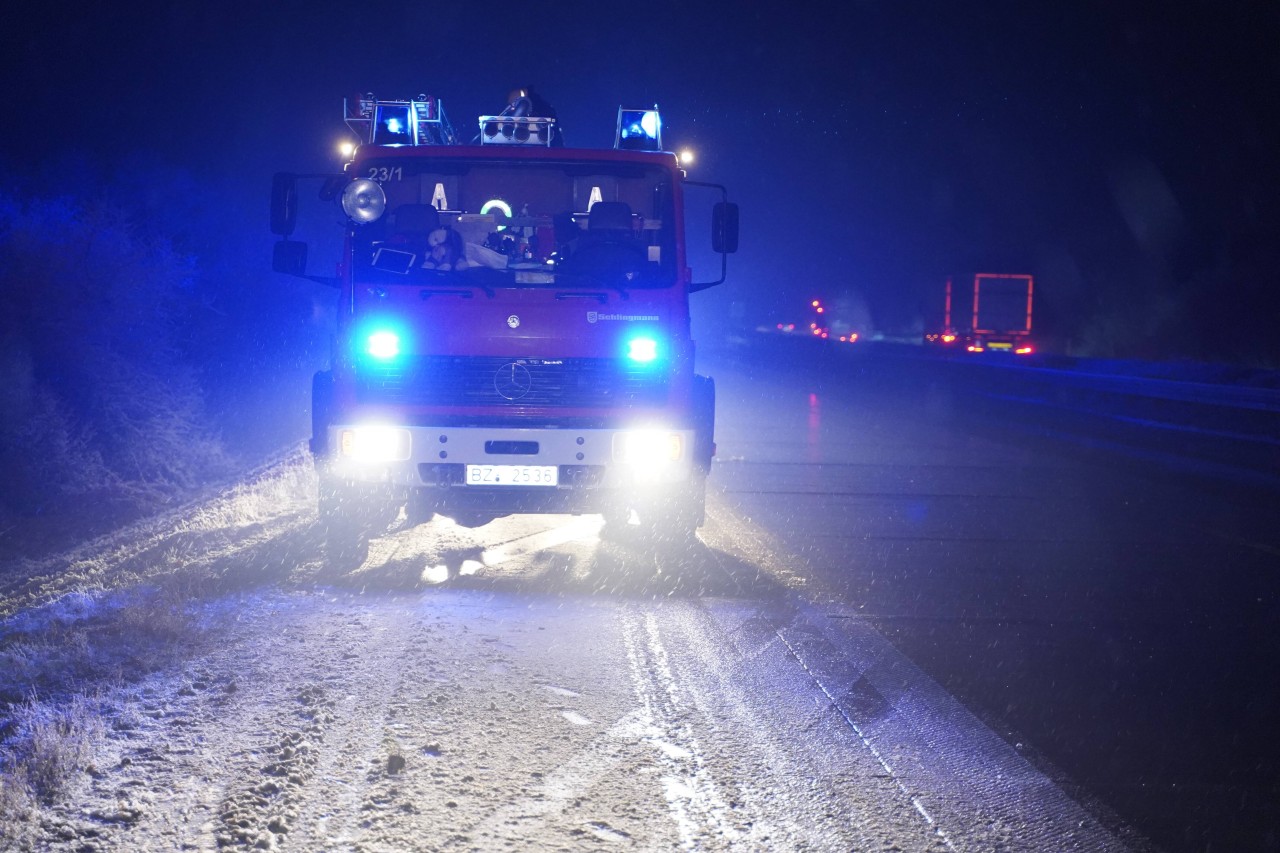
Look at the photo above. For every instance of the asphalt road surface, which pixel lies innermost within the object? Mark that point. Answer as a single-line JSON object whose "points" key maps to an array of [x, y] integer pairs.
{"points": [[1115, 618]]}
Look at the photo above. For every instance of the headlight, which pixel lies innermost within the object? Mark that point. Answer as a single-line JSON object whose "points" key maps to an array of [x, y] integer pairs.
{"points": [[363, 200], [374, 444], [647, 448]]}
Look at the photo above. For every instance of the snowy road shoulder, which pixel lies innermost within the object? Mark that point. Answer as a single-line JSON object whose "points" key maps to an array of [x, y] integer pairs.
{"points": [[972, 789], [566, 690]]}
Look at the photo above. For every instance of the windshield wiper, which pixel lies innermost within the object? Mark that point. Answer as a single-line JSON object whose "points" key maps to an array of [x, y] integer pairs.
{"points": [[594, 281], [457, 277], [594, 295]]}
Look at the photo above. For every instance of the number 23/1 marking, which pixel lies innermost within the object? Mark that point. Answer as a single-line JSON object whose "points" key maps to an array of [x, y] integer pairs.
{"points": [[385, 173]]}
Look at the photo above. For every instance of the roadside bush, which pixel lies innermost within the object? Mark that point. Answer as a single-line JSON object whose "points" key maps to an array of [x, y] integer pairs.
{"points": [[18, 817], [48, 748], [96, 400]]}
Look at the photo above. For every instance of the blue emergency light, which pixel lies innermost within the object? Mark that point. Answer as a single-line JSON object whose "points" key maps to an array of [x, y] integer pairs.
{"points": [[642, 349], [383, 344], [414, 121], [395, 124], [639, 130]]}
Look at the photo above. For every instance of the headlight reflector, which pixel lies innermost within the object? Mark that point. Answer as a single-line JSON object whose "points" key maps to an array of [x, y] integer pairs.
{"points": [[363, 200], [374, 444], [645, 448]]}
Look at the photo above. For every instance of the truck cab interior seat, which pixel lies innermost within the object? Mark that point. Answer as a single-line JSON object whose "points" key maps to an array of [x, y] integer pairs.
{"points": [[413, 222], [609, 246], [609, 219]]}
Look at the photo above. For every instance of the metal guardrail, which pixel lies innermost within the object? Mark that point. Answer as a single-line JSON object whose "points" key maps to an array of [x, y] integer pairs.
{"points": [[1216, 430], [1213, 430], [1189, 391]]}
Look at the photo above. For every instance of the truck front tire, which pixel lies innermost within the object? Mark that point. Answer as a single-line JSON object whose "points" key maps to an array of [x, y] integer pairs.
{"points": [[350, 514], [346, 538], [678, 519], [679, 513]]}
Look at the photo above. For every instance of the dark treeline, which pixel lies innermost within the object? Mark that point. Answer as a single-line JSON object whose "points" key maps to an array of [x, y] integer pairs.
{"points": [[146, 351]]}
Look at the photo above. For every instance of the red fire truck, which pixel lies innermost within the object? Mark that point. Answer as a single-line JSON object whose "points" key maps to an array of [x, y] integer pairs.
{"points": [[513, 330]]}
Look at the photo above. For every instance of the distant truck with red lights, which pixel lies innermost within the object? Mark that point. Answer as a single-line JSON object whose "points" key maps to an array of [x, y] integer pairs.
{"points": [[513, 332], [997, 318]]}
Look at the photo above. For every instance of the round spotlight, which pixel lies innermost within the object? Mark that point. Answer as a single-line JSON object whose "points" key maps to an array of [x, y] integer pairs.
{"points": [[364, 201]]}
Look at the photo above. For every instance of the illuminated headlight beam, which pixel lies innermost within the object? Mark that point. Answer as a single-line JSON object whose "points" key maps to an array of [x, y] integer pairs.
{"points": [[648, 448], [375, 443]]}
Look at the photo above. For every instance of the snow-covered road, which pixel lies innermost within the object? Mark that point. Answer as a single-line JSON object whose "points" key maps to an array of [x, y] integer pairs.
{"points": [[559, 690]]}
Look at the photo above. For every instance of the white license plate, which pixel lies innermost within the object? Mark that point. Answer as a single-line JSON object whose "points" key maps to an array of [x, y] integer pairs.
{"points": [[512, 475]]}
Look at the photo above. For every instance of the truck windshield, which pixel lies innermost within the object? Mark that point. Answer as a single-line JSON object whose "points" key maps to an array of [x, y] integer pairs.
{"points": [[518, 224]]}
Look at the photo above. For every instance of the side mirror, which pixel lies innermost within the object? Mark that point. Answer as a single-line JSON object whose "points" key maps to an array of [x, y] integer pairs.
{"points": [[284, 204], [289, 257], [724, 227]]}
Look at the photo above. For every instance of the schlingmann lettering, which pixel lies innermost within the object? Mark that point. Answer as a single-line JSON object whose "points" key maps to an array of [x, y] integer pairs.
{"points": [[593, 317]]}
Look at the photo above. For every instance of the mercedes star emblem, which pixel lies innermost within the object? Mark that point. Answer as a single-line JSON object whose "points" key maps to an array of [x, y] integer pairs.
{"points": [[512, 381]]}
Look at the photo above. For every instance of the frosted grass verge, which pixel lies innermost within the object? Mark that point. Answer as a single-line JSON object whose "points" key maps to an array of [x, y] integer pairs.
{"points": [[46, 749], [281, 488]]}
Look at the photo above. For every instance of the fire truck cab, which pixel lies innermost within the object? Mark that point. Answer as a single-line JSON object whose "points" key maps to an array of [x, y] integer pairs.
{"points": [[513, 329]]}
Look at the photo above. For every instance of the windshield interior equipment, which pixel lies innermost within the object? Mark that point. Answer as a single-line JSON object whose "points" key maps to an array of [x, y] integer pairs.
{"points": [[506, 225]]}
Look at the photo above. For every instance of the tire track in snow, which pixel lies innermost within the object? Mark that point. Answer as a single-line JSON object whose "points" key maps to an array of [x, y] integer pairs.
{"points": [[564, 785], [693, 798], [661, 728], [324, 741]]}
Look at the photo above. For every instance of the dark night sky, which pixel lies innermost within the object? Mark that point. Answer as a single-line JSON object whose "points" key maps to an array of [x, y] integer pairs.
{"points": [[1123, 153]]}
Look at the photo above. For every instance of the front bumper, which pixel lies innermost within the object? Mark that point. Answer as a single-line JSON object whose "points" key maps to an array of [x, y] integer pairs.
{"points": [[596, 468]]}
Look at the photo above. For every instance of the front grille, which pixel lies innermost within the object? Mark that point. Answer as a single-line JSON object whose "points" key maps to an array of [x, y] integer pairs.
{"points": [[512, 383]]}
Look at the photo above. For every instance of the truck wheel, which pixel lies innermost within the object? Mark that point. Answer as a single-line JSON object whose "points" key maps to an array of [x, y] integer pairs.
{"points": [[689, 510], [616, 518], [418, 509], [676, 520], [349, 516], [346, 547], [346, 540]]}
